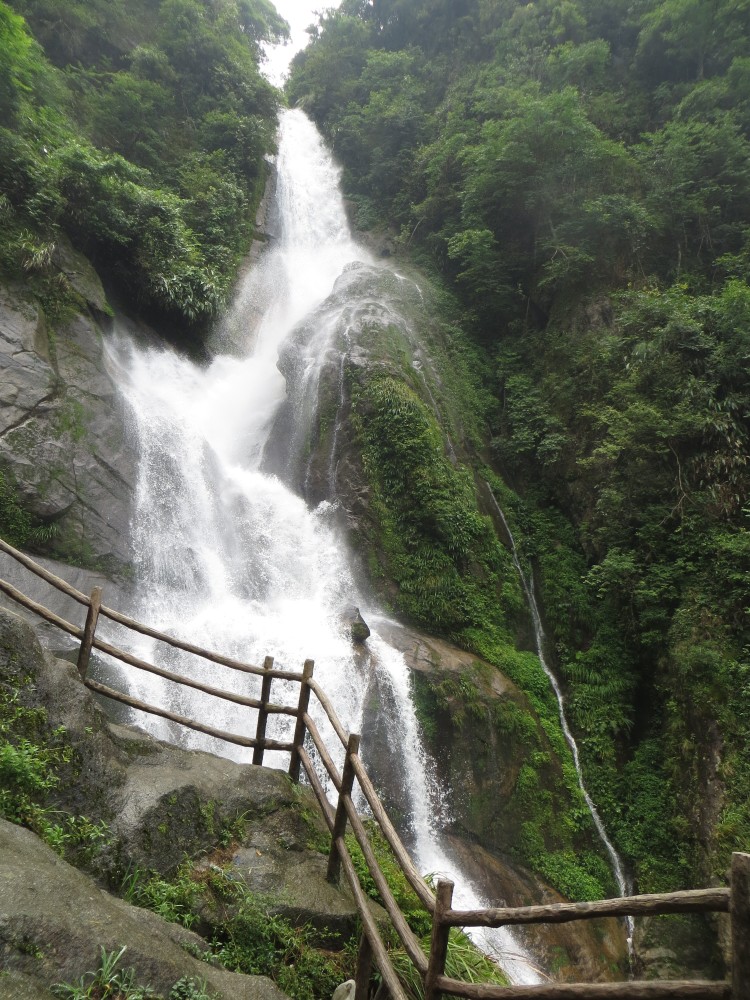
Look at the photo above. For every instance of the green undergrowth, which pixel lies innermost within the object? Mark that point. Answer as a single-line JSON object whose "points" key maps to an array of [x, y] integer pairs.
{"points": [[464, 961], [634, 771], [453, 576], [112, 981], [31, 759], [431, 540], [139, 131], [545, 823], [17, 525], [246, 935], [243, 932]]}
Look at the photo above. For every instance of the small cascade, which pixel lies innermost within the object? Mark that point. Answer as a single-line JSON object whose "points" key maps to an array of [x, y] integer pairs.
{"points": [[527, 585]]}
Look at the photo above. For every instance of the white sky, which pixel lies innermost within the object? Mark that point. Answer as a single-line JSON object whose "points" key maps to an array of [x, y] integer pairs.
{"points": [[299, 14]]}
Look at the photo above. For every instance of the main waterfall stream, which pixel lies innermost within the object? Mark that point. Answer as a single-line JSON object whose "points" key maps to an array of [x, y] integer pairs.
{"points": [[230, 558]]}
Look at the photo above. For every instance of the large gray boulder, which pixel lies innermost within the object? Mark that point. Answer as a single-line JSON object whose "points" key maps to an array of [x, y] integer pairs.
{"points": [[54, 921]]}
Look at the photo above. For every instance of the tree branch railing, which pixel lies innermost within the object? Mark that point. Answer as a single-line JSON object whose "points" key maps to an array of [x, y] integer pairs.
{"points": [[429, 962]]}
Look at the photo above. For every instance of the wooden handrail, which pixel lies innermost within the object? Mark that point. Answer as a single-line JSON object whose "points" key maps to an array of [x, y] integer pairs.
{"points": [[330, 711], [438, 941], [151, 668], [413, 877], [40, 610], [319, 744], [390, 978], [44, 574], [206, 654], [317, 787], [416, 881], [300, 727], [651, 990], [116, 616], [689, 901], [142, 706], [387, 971], [339, 823], [89, 628], [265, 700]]}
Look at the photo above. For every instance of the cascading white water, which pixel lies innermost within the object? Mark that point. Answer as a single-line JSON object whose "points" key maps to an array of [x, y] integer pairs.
{"points": [[527, 584], [227, 556]]}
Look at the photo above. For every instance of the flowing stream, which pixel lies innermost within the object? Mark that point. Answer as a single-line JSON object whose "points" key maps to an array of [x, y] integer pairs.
{"points": [[527, 584], [227, 555]]}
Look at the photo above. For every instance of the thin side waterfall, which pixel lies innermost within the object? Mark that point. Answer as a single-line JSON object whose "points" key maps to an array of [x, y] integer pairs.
{"points": [[527, 585], [227, 555]]}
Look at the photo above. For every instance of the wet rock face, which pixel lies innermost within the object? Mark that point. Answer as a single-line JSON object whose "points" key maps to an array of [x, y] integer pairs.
{"points": [[355, 624], [579, 952], [63, 440], [461, 705], [358, 327]]}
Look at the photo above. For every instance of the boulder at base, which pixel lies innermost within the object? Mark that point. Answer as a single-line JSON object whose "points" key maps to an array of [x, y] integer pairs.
{"points": [[54, 920]]}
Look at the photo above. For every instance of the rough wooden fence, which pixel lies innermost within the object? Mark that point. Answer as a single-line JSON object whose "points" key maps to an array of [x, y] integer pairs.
{"points": [[430, 963]]}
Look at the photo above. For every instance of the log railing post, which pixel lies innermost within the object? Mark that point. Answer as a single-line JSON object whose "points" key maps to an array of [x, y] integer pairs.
{"points": [[92, 616], [739, 909], [439, 941], [339, 823], [300, 728], [363, 975], [265, 697]]}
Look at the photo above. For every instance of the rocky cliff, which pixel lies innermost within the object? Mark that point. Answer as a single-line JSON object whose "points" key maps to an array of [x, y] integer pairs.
{"points": [[64, 449]]}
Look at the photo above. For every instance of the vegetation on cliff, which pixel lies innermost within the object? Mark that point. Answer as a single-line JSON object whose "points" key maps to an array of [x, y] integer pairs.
{"points": [[579, 174], [140, 131]]}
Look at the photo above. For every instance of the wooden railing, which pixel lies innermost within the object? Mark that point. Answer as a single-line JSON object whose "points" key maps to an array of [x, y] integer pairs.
{"points": [[430, 964]]}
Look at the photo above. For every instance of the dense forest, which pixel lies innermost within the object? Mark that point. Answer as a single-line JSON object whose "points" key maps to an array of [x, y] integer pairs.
{"points": [[578, 174], [139, 131]]}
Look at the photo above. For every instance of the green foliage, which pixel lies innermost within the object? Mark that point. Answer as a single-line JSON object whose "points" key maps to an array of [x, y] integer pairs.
{"points": [[106, 981], [17, 70], [28, 763], [431, 532], [120, 984], [568, 872], [408, 901], [15, 522], [32, 758], [149, 153], [579, 174], [247, 935], [464, 961]]}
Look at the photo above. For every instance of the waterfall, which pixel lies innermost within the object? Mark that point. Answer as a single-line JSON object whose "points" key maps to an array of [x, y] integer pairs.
{"points": [[527, 585], [227, 555]]}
